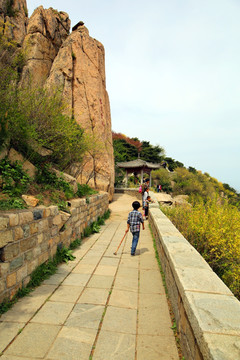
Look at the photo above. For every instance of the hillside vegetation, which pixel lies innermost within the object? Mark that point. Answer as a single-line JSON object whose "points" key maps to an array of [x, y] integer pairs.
{"points": [[176, 179], [31, 120], [213, 228]]}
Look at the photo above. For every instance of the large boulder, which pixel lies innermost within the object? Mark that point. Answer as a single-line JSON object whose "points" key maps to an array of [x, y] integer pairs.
{"points": [[28, 167], [164, 198], [181, 200], [46, 31], [79, 69]]}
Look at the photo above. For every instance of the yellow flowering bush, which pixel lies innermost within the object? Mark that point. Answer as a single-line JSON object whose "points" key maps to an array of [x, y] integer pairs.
{"points": [[213, 228]]}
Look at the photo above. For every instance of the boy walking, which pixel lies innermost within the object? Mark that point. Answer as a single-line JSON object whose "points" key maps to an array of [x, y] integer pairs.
{"points": [[133, 223]]}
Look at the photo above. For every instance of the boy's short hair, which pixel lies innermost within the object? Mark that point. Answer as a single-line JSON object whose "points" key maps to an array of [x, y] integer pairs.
{"points": [[136, 205]]}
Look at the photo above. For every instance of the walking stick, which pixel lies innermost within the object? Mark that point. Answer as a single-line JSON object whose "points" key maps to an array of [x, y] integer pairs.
{"points": [[115, 253]]}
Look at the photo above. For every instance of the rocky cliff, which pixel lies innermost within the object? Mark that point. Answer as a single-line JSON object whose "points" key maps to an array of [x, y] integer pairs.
{"points": [[15, 15], [75, 63], [46, 32]]}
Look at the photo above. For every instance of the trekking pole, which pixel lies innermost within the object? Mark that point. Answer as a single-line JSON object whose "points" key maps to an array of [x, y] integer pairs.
{"points": [[115, 253]]}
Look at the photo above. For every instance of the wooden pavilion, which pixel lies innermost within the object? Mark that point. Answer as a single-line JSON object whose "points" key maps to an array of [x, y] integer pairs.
{"points": [[138, 166]]}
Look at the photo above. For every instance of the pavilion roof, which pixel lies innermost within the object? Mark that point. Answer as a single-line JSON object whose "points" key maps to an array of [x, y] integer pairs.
{"points": [[138, 163]]}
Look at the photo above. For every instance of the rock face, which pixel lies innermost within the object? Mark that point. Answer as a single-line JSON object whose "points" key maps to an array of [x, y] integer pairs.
{"points": [[14, 14], [46, 31], [74, 63], [80, 71]]}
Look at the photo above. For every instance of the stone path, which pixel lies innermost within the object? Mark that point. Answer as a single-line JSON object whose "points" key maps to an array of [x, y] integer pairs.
{"points": [[100, 306]]}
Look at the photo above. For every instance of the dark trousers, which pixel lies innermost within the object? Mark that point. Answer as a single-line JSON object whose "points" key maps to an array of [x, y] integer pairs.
{"points": [[134, 241], [146, 210]]}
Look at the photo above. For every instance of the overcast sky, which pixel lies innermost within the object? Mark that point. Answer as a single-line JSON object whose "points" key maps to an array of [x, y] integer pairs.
{"points": [[173, 74]]}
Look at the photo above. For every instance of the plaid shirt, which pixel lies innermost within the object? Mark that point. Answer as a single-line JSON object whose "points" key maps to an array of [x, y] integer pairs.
{"points": [[134, 220]]}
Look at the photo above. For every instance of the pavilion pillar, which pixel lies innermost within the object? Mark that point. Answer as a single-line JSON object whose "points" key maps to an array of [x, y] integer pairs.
{"points": [[141, 176], [150, 181], [126, 178]]}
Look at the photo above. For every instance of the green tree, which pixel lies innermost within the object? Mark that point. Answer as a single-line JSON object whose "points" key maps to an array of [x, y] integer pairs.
{"points": [[163, 177], [123, 151], [172, 164], [151, 153]]}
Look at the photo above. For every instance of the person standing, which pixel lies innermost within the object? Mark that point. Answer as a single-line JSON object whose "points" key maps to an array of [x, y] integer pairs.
{"points": [[146, 206], [145, 186], [145, 195]]}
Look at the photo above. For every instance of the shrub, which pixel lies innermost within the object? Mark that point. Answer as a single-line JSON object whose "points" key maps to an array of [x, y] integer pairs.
{"points": [[213, 229], [163, 177], [13, 203], [84, 189], [14, 179], [29, 113]]}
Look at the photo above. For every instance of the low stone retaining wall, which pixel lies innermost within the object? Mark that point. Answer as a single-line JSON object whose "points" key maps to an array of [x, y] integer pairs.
{"points": [[30, 237], [206, 312]]}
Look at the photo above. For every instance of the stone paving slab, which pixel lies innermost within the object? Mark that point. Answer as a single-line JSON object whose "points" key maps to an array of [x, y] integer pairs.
{"points": [[152, 347], [126, 299], [94, 296], [105, 270], [154, 318], [84, 269], [67, 293], [55, 279], [77, 279], [120, 320], [85, 316], [123, 283], [101, 281], [8, 331], [117, 346], [148, 261], [91, 260], [129, 263], [124, 271], [34, 341], [112, 261], [151, 281], [53, 313], [72, 344]]}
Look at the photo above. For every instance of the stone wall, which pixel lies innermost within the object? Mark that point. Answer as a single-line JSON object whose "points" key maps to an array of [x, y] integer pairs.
{"points": [[30, 237], [206, 312]]}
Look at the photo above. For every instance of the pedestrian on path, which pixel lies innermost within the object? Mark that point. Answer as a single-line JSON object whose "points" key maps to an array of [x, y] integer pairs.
{"points": [[146, 206], [145, 195], [145, 186], [134, 221]]}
